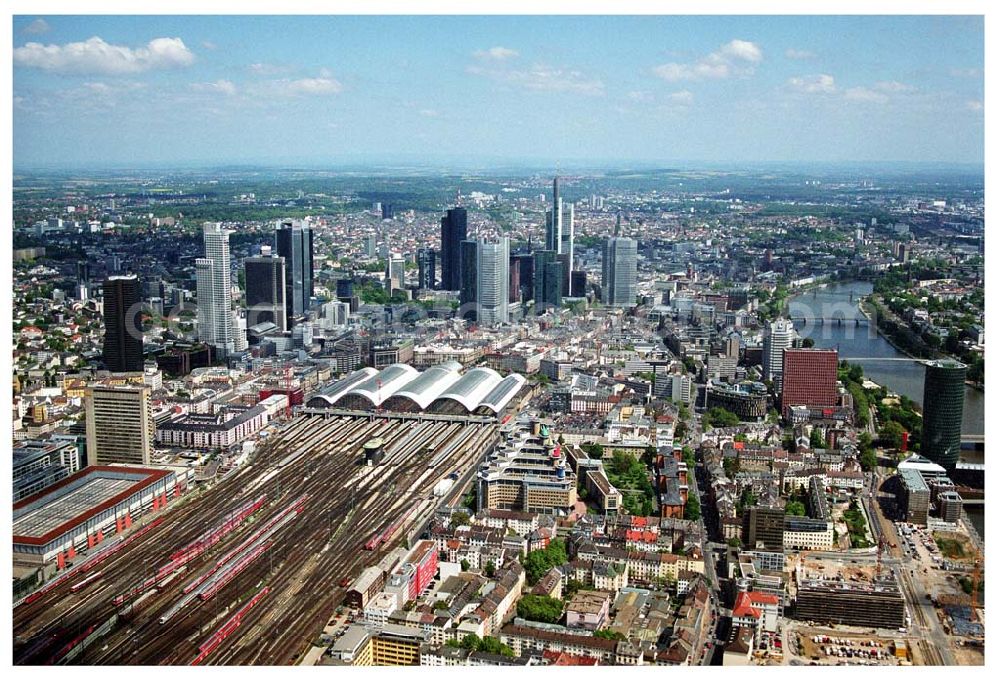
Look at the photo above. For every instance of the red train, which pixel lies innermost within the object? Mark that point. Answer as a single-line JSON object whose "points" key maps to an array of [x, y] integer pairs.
{"points": [[386, 534], [233, 571], [228, 627], [91, 563]]}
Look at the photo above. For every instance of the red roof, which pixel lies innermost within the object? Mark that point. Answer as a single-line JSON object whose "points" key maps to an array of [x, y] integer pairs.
{"points": [[151, 477], [563, 658], [744, 607], [639, 521], [762, 598]]}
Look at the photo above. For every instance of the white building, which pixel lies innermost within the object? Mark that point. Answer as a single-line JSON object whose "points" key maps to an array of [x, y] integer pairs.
{"points": [[215, 301], [778, 336], [492, 291]]}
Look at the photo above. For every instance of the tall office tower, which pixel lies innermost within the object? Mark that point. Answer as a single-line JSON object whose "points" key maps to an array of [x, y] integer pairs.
{"points": [[944, 402], [426, 274], [454, 230], [618, 270], [492, 281], [548, 281], [345, 289], [215, 294], [469, 277], [526, 271], [122, 324], [371, 246], [578, 283], [335, 314], [83, 281], [265, 298], [778, 336], [394, 268], [119, 425], [295, 244], [559, 229], [387, 212], [514, 279], [808, 378]]}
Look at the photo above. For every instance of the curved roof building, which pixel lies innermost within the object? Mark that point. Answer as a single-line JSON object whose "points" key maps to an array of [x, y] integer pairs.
{"points": [[440, 389]]}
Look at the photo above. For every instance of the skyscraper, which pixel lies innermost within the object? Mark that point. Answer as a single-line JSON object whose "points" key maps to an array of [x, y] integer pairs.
{"points": [[526, 274], [295, 244], [944, 402], [493, 278], [83, 281], [454, 230], [119, 425], [394, 270], [426, 274], [215, 296], [778, 336], [548, 280], [122, 324], [618, 270], [265, 298], [469, 278], [559, 230], [808, 378]]}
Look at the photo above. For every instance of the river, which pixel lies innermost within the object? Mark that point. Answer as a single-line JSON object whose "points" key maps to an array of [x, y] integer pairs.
{"points": [[881, 361], [863, 345]]}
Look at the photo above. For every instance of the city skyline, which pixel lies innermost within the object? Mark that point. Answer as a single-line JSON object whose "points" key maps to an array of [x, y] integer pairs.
{"points": [[517, 89]]}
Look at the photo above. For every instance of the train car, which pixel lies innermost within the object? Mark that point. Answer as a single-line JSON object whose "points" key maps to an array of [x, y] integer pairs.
{"points": [[86, 581], [165, 582]]}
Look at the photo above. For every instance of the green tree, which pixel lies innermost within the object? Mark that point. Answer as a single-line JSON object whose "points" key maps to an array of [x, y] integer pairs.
{"points": [[609, 634], [538, 562], [465, 565], [540, 608], [692, 508], [490, 570], [795, 508], [891, 434]]}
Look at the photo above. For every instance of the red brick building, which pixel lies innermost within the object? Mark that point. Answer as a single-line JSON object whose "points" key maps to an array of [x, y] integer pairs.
{"points": [[808, 378]]}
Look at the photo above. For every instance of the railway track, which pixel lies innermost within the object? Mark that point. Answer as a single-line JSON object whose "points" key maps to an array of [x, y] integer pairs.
{"points": [[313, 456]]}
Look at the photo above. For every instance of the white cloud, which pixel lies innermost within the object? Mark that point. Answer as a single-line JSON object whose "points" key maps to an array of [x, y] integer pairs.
{"points": [[264, 68], [209, 45], [639, 95], [865, 94], [220, 86], [793, 53], [683, 97], [736, 57], [966, 72], [97, 56], [496, 54], [893, 86], [742, 49], [429, 113], [974, 105], [543, 78], [37, 27], [309, 86], [813, 84]]}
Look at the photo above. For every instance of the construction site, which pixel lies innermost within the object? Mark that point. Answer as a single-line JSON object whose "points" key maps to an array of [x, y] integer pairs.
{"points": [[251, 569]]}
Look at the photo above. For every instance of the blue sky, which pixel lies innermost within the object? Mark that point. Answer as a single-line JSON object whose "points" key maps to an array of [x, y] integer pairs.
{"points": [[147, 91]]}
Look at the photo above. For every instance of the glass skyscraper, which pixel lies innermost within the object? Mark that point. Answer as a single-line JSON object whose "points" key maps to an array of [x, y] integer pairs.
{"points": [[944, 402], [295, 244]]}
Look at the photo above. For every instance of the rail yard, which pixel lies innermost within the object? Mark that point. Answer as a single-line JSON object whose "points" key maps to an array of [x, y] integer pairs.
{"points": [[250, 570]]}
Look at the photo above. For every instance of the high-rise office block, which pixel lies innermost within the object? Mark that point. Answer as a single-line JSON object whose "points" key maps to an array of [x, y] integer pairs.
{"points": [[215, 296], [345, 289], [394, 272], [944, 402], [469, 278], [548, 280], [119, 425], [559, 229], [295, 244], [618, 271], [778, 336], [454, 230], [122, 324], [371, 247], [265, 296], [493, 279], [808, 378], [578, 283], [514, 279], [426, 274], [526, 275]]}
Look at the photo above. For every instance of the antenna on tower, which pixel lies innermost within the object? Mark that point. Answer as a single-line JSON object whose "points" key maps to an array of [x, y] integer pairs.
{"points": [[618, 225], [458, 197]]}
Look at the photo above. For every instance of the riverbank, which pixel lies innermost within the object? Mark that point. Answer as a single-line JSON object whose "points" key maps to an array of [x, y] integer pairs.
{"points": [[871, 315]]}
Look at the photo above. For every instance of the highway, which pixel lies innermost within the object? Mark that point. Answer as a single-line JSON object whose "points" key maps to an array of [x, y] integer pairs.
{"points": [[301, 561]]}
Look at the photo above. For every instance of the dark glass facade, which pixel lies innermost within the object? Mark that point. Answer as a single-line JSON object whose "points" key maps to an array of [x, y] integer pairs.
{"points": [[122, 324], [944, 401]]}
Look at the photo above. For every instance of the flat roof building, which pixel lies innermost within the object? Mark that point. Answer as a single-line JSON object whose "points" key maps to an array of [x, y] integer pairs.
{"points": [[119, 425]]}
